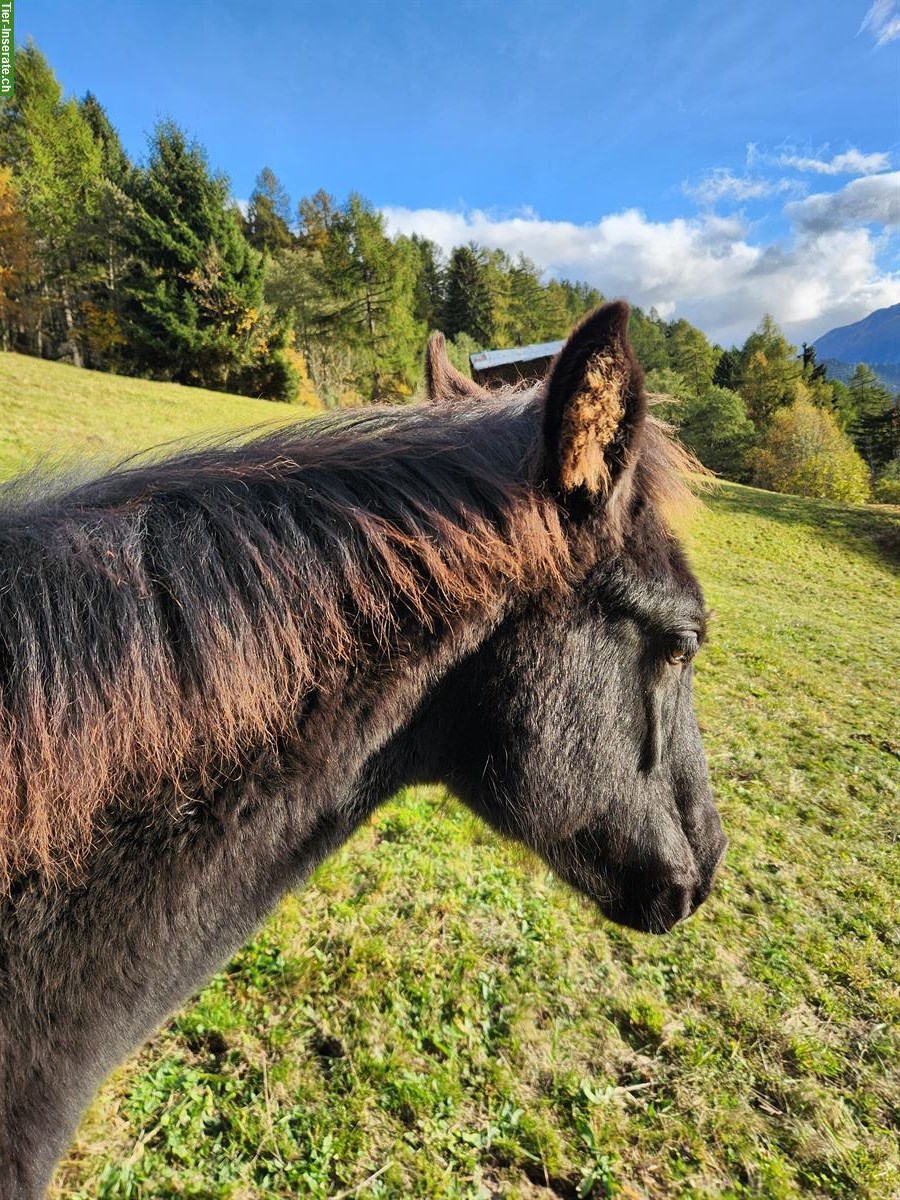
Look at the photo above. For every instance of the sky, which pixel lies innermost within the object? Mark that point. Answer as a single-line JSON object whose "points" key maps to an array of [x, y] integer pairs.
{"points": [[714, 161]]}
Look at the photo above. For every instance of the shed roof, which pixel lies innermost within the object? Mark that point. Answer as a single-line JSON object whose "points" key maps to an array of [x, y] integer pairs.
{"points": [[502, 358]]}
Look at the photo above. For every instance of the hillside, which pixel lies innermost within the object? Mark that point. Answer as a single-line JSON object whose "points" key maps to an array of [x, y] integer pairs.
{"points": [[434, 1016], [887, 374], [53, 410], [875, 339]]}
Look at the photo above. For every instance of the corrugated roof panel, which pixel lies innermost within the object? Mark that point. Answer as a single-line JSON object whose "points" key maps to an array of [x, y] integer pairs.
{"points": [[501, 358]]}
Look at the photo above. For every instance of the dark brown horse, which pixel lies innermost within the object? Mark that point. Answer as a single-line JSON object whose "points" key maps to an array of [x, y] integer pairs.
{"points": [[212, 669]]}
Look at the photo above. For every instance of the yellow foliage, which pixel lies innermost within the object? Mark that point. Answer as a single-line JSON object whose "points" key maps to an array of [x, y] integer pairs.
{"points": [[15, 249], [805, 451], [306, 392]]}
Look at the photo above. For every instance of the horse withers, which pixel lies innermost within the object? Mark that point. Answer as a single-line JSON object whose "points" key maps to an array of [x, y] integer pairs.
{"points": [[213, 668]]}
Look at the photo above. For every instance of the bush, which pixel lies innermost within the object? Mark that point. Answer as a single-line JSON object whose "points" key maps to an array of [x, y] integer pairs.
{"points": [[271, 377], [804, 451], [716, 427], [887, 485], [713, 424]]}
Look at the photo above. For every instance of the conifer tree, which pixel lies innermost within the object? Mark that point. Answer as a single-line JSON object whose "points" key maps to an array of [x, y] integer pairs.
{"points": [[690, 354], [267, 225], [194, 290], [469, 307]]}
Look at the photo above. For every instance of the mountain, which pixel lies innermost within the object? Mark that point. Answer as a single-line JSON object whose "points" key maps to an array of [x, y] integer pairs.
{"points": [[886, 373], [875, 339]]}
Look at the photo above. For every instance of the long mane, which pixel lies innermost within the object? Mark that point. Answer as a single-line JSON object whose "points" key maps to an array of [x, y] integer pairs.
{"points": [[161, 622]]}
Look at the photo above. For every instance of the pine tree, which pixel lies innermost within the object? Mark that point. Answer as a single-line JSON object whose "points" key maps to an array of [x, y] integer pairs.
{"points": [[115, 164], [194, 290], [469, 306], [874, 424], [728, 370], [430, 269], [267, 225]]}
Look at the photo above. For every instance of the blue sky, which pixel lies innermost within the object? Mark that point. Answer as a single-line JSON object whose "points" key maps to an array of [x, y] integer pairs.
{"points": [[713, 160]]}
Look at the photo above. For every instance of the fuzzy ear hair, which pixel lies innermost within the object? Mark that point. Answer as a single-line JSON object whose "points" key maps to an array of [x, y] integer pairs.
{"points": [[595, 403], [443, 382]]}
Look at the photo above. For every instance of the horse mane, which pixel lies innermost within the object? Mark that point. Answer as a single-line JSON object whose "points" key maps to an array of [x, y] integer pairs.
{"points": [[160, 624]]}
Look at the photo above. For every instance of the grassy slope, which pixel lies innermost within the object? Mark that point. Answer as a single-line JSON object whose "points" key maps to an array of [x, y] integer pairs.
{"points": [[436, 1016], [50, 408]]}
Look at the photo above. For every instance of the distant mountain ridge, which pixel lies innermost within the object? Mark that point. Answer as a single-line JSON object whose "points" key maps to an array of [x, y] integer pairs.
{"points": [[873, 340]]}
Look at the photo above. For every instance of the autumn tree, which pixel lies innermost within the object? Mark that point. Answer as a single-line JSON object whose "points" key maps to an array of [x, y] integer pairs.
{"points": [[690, 354], [50, 147], [769, 372], [804, 451]]}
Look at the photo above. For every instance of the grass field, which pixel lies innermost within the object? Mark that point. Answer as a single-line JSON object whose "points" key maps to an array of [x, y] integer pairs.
{"points": [[53, 409], [434, 1016]]}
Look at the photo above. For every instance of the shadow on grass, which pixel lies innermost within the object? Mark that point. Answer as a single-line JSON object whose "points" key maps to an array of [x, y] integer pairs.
{"points": [[873, 531]]}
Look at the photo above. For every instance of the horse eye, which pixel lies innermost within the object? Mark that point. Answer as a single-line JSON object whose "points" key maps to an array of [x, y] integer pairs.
{"points": [[682, 648]]}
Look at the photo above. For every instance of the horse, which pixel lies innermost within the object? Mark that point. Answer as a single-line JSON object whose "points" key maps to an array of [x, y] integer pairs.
{"points": [[213, 668]]}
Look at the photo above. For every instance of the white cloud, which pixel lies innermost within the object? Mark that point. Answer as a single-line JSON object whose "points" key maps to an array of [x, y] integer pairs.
{"points": [[721, 184], [874, 200], [851, 162], [704, 268], [883, 20]]}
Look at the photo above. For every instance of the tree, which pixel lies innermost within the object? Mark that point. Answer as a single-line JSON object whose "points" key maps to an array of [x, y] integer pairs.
{"points": [[16, 263], [648, 340], [690, 354], [377, 283], [106, 241], [874, 423], [349, 291], [887, 485], [430, 270], [868, 394], [716, 427], [267, 224], [115, 164], [713, 424], [769, 372], [469, 303], [58, 166], [525, 311], [812, 371], [804, 451], [728, 370], [194, 289], [556, 311]]}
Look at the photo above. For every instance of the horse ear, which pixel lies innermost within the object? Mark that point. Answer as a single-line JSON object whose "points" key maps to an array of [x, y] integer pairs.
{"points": [[595, 404], [443, 383]]}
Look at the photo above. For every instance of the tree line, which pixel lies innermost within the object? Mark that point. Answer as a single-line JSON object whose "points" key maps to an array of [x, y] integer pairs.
{"points": [[150, 268]]}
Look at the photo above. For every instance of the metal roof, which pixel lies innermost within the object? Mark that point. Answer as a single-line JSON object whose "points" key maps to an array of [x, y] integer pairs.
{"points": [[501, 358]]}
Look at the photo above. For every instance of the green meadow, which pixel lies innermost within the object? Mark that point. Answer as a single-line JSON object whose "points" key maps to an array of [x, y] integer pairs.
{"points": [[433, 1015]]}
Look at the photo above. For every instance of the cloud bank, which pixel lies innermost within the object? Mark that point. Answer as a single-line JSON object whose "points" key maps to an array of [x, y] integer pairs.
{"points": [[707, 267], [883, 21], [874, 200]]}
